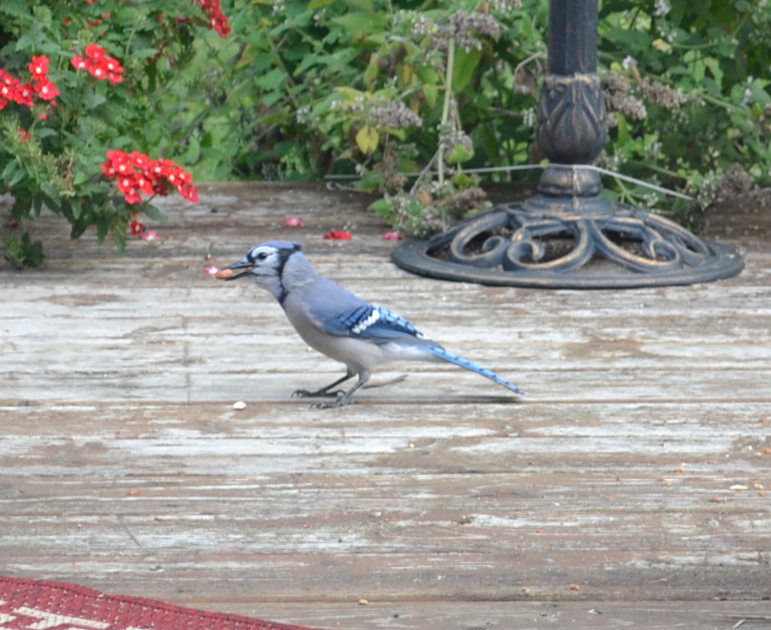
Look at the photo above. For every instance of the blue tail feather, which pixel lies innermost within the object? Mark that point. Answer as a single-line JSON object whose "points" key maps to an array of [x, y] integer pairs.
{"points": [[443, 354]]}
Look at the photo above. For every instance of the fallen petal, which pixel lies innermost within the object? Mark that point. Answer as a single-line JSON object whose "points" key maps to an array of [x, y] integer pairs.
{"points": [[151, 236], [338, 235], [392, 236], [294, 222], [211, 271]]}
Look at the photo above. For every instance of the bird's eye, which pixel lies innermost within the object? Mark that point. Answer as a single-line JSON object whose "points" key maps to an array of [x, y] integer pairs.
{"points": [[262, 255]]}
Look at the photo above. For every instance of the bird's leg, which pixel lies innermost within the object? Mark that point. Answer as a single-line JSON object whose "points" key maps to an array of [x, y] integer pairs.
{"points": [[345, 399], [324, 391]]}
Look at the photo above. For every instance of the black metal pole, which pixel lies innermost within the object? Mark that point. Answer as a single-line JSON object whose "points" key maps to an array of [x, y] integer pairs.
{"points": [[573, 36]]}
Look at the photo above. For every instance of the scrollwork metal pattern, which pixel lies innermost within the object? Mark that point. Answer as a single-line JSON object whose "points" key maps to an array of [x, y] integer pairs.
{"points": [[510, 246]]}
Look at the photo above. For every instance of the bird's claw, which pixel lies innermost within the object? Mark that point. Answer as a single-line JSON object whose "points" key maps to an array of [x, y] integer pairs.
{"points": [[338, 403], [304, 393]]}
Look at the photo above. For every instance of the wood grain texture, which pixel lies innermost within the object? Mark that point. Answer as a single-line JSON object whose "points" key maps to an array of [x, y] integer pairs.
{"points": [[602, 499]]}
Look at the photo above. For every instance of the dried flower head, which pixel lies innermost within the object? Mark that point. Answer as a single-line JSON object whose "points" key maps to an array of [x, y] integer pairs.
{"points": [[394, 116], [661, 94], [618, 97], [467, 24], [466, 200], [734, 182], [466, 28], [454, 138]]}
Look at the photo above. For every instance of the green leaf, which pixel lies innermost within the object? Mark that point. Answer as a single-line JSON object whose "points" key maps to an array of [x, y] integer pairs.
{"points": [[460, 153], [193, 153], [631, 41], [759, 94], [373, 69], [431, 93], [349, 93], [367, 140], [465, 65], [359, 22], [271, 80], [94, 100], [381, 206], [714, 67], [153, 213], [52, 195], [313, 5]]}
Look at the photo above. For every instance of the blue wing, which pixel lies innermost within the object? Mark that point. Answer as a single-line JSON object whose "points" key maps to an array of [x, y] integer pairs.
{"points": [[375, 322], [347, 315]]}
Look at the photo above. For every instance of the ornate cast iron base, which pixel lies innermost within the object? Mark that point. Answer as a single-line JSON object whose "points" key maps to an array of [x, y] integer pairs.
{"points": [[577, 242]]}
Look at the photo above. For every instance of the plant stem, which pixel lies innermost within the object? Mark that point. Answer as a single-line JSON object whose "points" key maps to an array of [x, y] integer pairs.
{"points": [[656, 169], [446, 105]]}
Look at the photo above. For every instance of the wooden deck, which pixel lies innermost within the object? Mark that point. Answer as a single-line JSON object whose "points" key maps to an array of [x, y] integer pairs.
{"points": [[602, 500]]}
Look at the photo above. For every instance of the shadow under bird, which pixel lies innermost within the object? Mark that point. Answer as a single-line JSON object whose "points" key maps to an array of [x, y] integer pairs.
{"points": [[338, 323]]}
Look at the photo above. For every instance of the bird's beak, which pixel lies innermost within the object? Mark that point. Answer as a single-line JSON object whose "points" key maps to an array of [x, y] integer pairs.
{"points": [[241, 264]]}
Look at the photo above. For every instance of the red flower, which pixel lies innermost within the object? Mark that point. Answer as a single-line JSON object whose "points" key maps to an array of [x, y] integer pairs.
{"points": [[99, 64], [338, 235], [12, 89], [137, 228], [25, 135], [46, 90], [217, 19], [136, 173], [39, 66], [95, 52]]}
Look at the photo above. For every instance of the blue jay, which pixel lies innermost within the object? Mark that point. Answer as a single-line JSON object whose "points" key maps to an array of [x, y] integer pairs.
{"points": [[338, 323]]}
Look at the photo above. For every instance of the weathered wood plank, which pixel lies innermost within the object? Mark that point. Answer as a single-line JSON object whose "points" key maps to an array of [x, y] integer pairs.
{"points": [[123, 465], [520, 615], [474, 496]]}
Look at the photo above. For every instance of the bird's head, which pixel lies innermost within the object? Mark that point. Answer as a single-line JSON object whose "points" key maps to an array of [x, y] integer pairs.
{"points": [[264, 265]]}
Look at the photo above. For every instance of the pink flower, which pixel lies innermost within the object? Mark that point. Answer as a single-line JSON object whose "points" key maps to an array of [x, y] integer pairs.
{"points": [[392, 236], [338, 235], [211, 271], [294, 222], [151, 235]]}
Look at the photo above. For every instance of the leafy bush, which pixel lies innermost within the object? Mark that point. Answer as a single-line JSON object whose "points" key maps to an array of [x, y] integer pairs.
{"points": [[364, 85], [80, 80], [688, 98], [359, 87]]}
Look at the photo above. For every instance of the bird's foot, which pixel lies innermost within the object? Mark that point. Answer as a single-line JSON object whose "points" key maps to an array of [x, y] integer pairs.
{"points": [[321, 393], [338, 403]]}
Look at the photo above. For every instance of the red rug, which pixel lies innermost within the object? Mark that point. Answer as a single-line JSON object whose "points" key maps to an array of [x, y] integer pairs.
{"points": [[39, 605]]}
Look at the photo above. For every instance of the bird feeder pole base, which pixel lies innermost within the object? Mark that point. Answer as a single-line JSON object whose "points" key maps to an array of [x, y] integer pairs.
{"points": [[569, 236]]}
